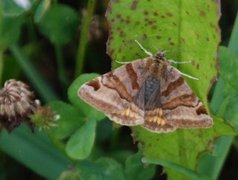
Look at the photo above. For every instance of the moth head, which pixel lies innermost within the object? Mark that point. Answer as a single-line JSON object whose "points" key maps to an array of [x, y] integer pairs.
{"points": [[161, 55]]}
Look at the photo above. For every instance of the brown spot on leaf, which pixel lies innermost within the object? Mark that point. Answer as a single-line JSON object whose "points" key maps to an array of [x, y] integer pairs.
{"points": [[155, 13], [202, 13], [122, 34], [158, 37], [182, 40], [134, 4], [171, 43], [137, 23], [144, 36], [146, 13], [122, 20], [118, 16], [119, 50], [127, 22], [197, 66], [169, 14], [197, 35]]}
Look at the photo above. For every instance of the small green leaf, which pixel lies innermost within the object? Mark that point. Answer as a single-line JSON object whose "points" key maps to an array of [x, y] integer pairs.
{"points": [[41, 10], [70, 119], [88, 111], [102, 169], [15, 8], [135, 169], [81, 143], [70, 174], [10, 28], [59, 24]]}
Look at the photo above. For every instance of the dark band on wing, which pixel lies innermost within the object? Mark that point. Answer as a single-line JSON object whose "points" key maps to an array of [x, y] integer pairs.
{"points": [[95, 84], [172, 86], [185, 100], [113, 82], [132, 75]]}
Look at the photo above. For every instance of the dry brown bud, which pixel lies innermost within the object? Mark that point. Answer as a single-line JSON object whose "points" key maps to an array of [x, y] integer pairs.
{"points": [[17, 102]]}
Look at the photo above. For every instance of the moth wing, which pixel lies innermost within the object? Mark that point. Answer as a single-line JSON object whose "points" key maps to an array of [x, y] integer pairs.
{"points": [[179, 108], [113, 92]]}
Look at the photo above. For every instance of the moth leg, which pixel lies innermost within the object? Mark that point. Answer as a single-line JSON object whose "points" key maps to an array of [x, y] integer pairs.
{"points": [[146, 52], [178, 62], [186, 75], [122, 62]]}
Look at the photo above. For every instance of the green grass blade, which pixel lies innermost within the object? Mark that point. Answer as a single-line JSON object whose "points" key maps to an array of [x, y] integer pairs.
{"points": [[183, 170], [84, 37], [35, 151], [234, 38]]}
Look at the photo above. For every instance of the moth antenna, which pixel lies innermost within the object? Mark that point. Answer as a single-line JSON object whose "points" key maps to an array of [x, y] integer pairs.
{"points": [[186, 75], [178, 62], [146, 52], [120, 62]]}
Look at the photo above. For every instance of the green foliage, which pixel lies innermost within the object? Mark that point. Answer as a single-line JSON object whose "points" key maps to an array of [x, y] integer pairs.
{"points": [[102, 169], [228, 108], [10, 30], [70, 119], [134, 168], [15, 8], [39, 42], [186, 27], [59, 24], [80, 144]]}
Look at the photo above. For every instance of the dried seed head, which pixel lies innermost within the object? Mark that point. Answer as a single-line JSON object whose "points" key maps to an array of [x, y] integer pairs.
{"points": [[17, 102], [43, 118]]}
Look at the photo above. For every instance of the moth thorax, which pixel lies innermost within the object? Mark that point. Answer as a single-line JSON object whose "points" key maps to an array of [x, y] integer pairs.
{"points": [[154, 68], [161, 55]]}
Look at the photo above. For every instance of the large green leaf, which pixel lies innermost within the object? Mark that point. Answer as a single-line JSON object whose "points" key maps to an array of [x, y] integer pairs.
{"points": [[188, 30], [59, 24]]}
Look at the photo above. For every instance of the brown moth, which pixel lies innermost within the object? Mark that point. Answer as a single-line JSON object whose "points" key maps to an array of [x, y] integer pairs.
{"points": [[147, 92]]}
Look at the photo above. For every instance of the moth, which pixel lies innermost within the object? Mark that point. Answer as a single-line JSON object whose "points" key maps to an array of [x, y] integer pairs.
{"points": [[147, 92]]}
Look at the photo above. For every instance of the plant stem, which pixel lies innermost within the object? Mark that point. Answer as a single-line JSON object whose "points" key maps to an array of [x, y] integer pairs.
{"points": [[60, 66], [84, 37]]}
